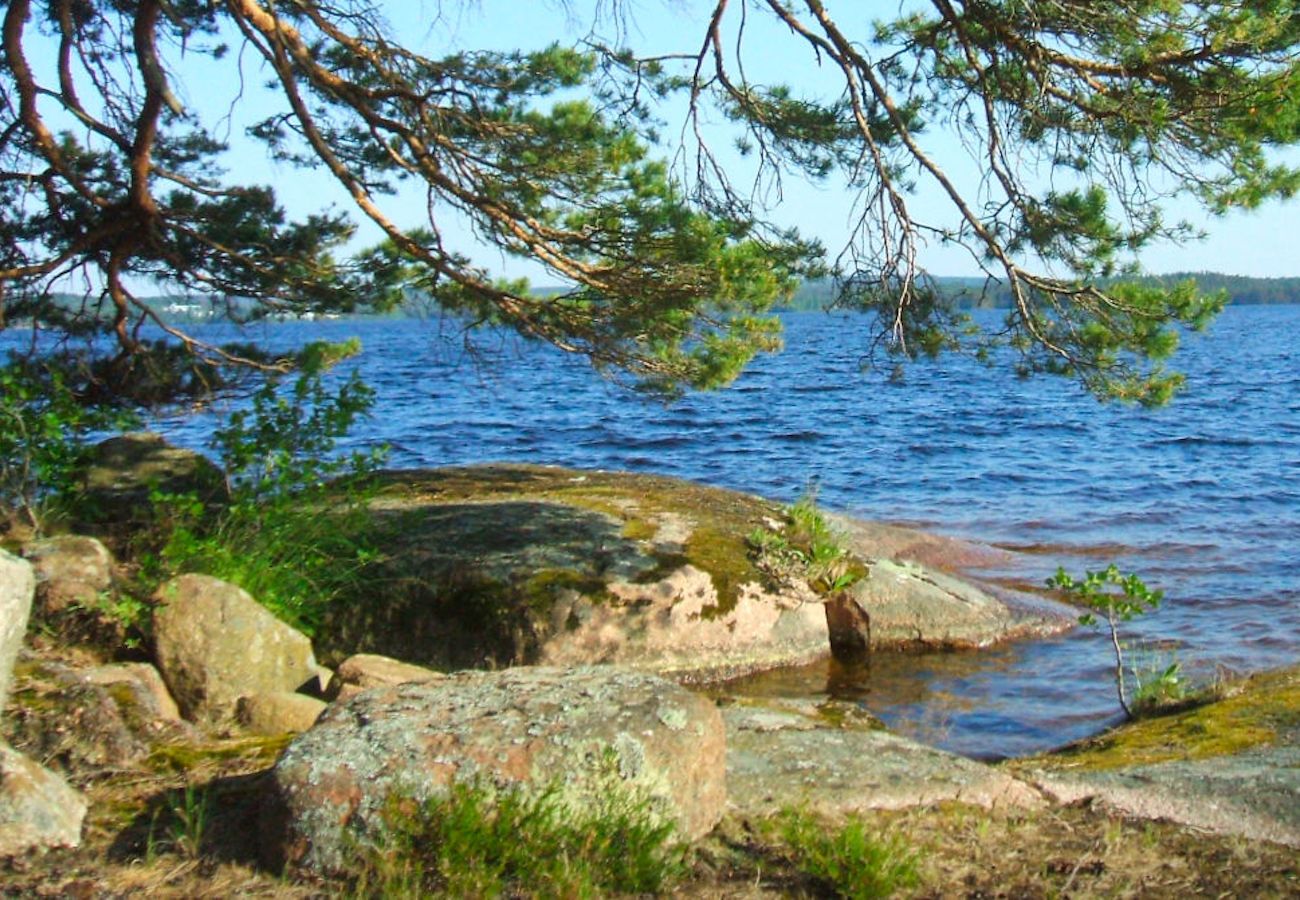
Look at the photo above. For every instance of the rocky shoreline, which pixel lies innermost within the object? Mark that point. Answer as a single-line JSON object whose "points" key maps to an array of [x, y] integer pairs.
{"points": [[608, 593]]}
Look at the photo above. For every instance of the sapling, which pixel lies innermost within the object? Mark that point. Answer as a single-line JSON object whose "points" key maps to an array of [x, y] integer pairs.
{"points": [[1118, 598]]}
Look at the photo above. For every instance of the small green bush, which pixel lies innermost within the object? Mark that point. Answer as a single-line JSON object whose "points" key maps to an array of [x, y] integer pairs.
{"points": [[849, 861], [481, 842], [808, 548]]}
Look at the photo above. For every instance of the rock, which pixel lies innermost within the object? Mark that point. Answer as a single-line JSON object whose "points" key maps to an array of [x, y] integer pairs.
{"points": [[877, 540], [214, 644], [84, 721], [71, 570], [148, 693], [17, 586], [493, 566], [279, 713], [590, 729], [1230, 767], [779, 755], [908, 606], [38, 810], [125, 469], [364, 671]]}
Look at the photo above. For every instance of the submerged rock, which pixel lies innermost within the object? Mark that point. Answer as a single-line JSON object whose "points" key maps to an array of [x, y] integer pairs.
{"points": [[492, 566], [587, 730]]}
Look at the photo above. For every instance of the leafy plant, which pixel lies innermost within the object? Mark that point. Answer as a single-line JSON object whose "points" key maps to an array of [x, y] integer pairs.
{"points": [[1117, 597], [296, 533], [482, 842], [850, 861], [806, 548], [187, 813], [43, 439]]}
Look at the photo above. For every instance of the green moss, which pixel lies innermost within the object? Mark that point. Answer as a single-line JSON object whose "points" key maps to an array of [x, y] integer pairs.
{"points": [[1255, 713], [640, 530], [543, 589], [185, 757], [725, 557]]}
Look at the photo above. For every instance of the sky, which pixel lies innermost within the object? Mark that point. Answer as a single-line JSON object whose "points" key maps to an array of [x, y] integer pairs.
{"points": [[1259, 243]]}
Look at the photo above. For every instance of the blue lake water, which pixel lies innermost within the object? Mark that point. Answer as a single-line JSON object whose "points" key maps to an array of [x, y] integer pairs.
{"points": [[1202, 497]]}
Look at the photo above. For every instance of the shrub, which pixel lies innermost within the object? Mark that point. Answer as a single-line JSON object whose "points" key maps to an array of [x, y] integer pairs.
{"points": [[296, 533]]}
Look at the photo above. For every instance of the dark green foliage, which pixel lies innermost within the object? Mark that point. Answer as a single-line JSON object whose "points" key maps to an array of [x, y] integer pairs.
{"points": [[482, 842], [1085, 118]]}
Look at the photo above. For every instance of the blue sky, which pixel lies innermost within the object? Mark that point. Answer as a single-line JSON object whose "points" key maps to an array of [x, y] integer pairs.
{"points": [[1259, 243]]}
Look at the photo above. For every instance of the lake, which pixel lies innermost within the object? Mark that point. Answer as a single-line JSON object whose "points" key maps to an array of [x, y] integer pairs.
{"points": [[1202, 498]]}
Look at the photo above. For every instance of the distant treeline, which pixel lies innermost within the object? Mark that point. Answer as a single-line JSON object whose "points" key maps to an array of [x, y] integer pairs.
{"points": [[968, 293], [975, 293]]}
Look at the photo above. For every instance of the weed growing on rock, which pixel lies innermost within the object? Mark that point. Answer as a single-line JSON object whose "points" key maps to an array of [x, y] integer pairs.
{"points": [[807, 548], [849, 861], [481, 842]]}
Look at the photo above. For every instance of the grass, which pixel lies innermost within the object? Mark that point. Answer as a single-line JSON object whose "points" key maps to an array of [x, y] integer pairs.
{"points": [[850, 861], [480, 842]]}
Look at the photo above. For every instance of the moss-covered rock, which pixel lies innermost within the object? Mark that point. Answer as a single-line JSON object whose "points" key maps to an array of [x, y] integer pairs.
{"points": [[1230, 766], [500, 565]]}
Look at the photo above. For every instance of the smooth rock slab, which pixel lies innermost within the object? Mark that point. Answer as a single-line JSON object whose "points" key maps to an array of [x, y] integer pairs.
{"points": [[589, 729], [778, 757], [17, 585], [214, 644], [37, 808], [1255, 794]]}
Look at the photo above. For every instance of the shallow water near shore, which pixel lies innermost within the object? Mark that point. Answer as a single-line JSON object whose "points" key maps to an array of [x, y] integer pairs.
{"points": [[1202, 498]]}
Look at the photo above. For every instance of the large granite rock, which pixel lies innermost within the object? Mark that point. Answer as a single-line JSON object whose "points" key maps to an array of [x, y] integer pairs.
{"points": [[71, 570], [589, 730], [1231, 766], [214, 644], [833, 761], [491, 566], [37, 808], [279, 713], [125, 469], [17, 585]]}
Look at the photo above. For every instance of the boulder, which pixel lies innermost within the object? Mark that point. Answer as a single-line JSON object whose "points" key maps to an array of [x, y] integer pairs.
{"points": [[364, 671], [279, 713], [833, 763], [17, 585], [214, 644], [586, 730], [124, 470], [84, 721], [38, 810], [71, 570], [505, 565], [909, 606]]}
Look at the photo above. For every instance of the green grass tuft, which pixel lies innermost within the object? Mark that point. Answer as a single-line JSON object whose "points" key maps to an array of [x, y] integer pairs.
{"points": [[849, 861]]}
